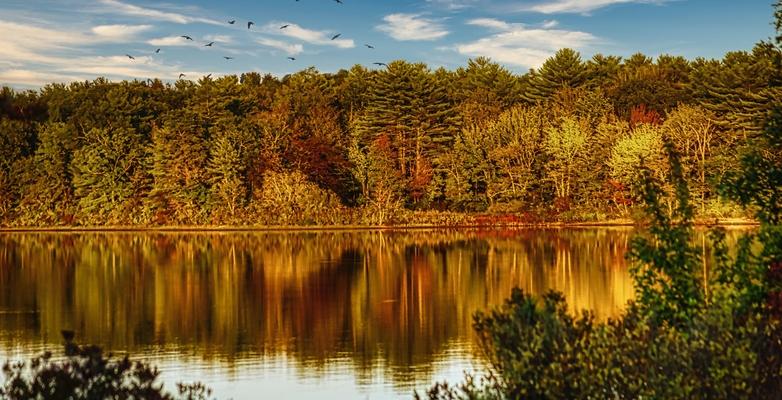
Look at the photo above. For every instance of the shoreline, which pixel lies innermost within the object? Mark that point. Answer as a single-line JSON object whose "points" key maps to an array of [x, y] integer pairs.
{"points": [[727, 222]]}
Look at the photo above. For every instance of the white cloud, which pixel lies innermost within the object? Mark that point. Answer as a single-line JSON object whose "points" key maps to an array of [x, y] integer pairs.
{"points": [[170, 41], [118, 7], [30, 78], [224, 39], [407, 27], [519, 45], [577, 6], [290, 48], [453, 4], [32, 52], [490, 23], [119, 32], [308, 35]]}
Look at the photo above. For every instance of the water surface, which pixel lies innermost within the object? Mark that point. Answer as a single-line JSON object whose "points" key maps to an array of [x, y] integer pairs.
{"points": [[361, 314]]}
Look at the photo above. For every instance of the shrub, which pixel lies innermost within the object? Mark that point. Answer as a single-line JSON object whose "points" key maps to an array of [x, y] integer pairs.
{"points": [[86, 373]]}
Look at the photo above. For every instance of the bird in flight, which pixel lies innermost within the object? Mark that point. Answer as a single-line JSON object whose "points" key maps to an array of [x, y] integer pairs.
{"points": [[292, 58], [157, 51], [336, 36], [181, 76], [369, 46], [209, 44], [285, 26], [233, 21], [380, 64], [249, 24], [130, 57], [338, 1], [228, 58], [186, 37]]}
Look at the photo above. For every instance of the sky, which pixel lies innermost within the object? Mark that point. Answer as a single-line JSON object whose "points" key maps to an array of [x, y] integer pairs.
{"points": [[43, 41]]}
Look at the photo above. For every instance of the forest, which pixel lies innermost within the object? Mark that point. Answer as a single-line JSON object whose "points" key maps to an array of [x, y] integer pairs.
{"points": [[401, 144]]}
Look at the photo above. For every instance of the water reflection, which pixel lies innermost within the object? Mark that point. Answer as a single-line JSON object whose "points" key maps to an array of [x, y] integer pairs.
{"points": [[377, 308]]}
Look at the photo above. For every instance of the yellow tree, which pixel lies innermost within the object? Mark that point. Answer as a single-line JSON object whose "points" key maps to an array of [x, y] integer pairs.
{"points": [[566, 145], [693, 130]]}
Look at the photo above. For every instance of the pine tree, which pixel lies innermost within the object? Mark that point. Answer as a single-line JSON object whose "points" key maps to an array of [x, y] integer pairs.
{"points": [[564, 70], [110, 176], [179, 168], [411, 107], [47, 196]]}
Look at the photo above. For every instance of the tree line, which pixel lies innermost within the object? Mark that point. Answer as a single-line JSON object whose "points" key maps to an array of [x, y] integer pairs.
{"points": [[396, 145]]}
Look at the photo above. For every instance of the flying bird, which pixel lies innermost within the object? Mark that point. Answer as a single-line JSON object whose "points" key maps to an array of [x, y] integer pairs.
{"points": [[181, 76], [130, 57], [369, 46], [157, 51], [228, 58], [336, 36], [209, 44], [338, 1], [249, 24], [381, 64], [233, 21], [285, 26], [292, 58], [186, 37]]}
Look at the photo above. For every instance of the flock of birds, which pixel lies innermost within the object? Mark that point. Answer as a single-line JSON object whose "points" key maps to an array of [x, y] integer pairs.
{"points": [[249, 26]]}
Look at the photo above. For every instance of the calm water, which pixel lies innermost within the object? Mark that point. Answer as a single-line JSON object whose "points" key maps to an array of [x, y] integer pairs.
{"points": [[303, 315]]}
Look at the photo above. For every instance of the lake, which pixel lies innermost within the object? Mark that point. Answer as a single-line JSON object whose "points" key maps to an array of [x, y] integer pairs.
{"points": [[327, 314]]}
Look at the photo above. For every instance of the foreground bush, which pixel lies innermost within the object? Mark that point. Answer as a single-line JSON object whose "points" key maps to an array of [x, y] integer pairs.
{"points": [[86, 373]]}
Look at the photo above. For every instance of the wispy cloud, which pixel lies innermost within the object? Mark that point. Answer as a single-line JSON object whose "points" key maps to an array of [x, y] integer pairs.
{"points": [[409, 27], [311, 36], [120, 32], [169, 41], [290, 48], [520, 45], [453, 4], [119, 7], [32, 52], [576, 6]]}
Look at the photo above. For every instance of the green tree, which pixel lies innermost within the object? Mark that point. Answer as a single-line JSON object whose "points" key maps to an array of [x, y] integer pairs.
{"points": [[564, 70], [47, 197], [410, 107], [110, 177], [565, 144]]}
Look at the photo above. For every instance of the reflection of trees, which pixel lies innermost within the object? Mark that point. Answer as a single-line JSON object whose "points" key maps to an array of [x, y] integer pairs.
{"points": [[397, 298]]}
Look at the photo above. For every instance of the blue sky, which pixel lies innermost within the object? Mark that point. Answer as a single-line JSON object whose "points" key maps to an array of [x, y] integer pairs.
{"points": [[63, 40]]}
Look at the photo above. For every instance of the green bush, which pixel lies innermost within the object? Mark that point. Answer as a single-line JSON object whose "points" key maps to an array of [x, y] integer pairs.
{"points": [[86, 373]]}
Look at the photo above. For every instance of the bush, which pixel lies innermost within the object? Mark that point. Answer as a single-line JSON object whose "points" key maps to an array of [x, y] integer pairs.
{"points": [[86, 373], [288, 198]]}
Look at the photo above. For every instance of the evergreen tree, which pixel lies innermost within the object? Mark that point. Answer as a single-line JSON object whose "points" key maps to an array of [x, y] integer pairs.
{"points": [[410, 107], [564, 70], [110, 177], [179, 167], [47, 196]]}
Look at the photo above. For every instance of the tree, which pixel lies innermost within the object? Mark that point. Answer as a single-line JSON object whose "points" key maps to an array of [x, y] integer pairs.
{"points": [[47, 197], [410, 107], [565, 144], [227, 168], [110, 177], [564, 70], [179, 169], [483, 90], [693, 131]]}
